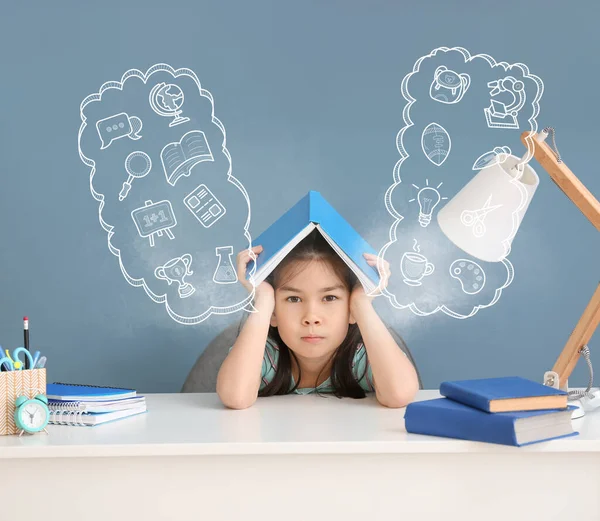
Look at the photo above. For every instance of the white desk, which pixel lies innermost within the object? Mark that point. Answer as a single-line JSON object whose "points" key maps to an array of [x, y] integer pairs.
{"points": [[292, 458]]}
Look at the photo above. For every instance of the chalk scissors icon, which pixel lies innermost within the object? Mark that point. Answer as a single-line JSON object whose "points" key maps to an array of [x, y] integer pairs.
{"points": [[475, 218]]}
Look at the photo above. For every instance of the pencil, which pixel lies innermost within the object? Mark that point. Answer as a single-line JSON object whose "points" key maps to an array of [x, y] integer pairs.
{"points": [[26, 339]]}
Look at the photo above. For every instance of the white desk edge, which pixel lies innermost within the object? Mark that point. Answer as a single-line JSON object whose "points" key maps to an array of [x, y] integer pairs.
{"points": [[209, 429]]}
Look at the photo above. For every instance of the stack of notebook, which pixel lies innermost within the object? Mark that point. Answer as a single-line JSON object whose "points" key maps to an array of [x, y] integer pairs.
{"points": [[507, 410], [75, 404]]}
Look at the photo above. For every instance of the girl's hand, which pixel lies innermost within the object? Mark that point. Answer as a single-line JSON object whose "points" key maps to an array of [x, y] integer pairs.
{"points": [[358, 294], [264, 289]]}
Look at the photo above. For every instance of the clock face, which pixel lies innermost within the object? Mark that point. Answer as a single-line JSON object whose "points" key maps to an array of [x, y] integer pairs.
{"points": [[33, 415]]}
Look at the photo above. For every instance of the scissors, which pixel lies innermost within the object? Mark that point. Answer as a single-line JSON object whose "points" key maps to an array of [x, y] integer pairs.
{"points": [[6, 361], [17, 361], [475, 218]]}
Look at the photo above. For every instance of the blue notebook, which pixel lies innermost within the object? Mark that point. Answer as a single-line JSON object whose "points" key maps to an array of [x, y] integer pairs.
{"points": [[313, 211], [450, 419], [86, 393], [504, 394]]}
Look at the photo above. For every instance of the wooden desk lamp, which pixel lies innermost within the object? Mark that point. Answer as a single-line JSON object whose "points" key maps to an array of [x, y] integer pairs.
{"points": [[574, 189]]}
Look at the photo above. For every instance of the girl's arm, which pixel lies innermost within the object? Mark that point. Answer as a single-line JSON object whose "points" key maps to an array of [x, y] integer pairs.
{"points": [[394, 377], [238, 380]]}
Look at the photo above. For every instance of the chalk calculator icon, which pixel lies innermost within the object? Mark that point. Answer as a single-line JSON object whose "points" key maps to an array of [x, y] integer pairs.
{"points": [[204, 205], [154, 218]]}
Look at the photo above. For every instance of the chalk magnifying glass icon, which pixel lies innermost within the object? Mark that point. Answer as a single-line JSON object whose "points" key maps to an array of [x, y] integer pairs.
{"points": [[137, 164]]}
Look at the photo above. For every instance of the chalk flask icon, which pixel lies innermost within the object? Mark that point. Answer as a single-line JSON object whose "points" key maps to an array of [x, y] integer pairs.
{"points": [[225, 273]]}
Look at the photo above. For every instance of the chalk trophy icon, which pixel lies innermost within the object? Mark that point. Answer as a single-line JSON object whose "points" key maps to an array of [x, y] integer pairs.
{"points": [[414, 267], [166, 100], [175, 271], [137, 165]]}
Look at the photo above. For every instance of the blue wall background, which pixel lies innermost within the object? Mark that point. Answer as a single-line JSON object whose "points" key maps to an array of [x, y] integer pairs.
{"points": [[288, 80]]}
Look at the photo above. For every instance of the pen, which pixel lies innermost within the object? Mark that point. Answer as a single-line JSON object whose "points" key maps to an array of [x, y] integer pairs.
{"points": [[26, 339]]}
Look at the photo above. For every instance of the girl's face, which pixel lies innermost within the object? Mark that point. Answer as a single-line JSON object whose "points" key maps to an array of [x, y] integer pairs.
{"points": [[312, 310]]}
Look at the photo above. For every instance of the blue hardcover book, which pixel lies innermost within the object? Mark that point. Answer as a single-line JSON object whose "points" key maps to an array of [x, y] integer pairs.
{"points": [[450, 419], [313, 211], [504, 394]]}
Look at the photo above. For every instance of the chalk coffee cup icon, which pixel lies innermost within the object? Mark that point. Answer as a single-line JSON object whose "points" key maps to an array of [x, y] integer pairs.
{"points": [[175, 271], [414, 267]]}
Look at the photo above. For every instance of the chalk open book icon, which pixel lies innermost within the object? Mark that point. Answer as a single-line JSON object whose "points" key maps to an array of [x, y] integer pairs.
{"points": [[313, 212]]}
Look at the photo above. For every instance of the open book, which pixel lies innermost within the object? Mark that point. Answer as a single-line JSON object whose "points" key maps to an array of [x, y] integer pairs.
{"points": [[313, 211], [178, 158]]}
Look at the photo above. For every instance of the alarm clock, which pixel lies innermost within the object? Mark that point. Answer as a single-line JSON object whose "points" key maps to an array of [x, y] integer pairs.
{"points": [[32, 414]]}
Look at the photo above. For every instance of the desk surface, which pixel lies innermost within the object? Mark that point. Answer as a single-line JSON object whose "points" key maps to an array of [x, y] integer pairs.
{"points": [[198, 424]]}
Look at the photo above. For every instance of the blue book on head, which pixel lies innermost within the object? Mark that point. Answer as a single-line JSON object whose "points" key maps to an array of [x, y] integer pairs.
{"points": [[450, 419], [313, 212], [504, 394]]}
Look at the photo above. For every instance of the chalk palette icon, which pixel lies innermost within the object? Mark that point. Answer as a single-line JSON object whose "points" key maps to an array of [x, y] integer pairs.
{"points": [[475, 218], [496, 156], [225, 272], [204, 205], [176, 270], [504, 115], [470, 275], [448, 86], [118, 126], [178, 158], [153, 219], [166, 99], [137, 165], [436, 143]]}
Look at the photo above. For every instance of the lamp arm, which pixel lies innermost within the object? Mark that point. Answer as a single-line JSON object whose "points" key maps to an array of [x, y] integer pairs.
{"points": [[566, 180], [575, 190]]}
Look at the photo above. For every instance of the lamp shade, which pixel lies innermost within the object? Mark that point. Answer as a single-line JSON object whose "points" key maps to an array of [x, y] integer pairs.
{"points": [[485, 215]]}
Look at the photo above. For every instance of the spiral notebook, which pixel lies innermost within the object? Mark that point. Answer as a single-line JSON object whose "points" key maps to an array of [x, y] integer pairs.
{"points": [[83, 419], [86, 393], [96, 406]]}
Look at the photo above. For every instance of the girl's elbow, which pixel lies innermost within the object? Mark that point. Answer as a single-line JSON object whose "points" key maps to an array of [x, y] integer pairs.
{"points": [[400, 398]]}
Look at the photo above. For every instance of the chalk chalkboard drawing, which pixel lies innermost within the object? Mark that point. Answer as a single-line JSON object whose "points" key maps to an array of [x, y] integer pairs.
{"points": [[204, 205], [414, 266], [475, 218], [225, 272], [154, 218], [176, 270], [118, 126], [448, 86], [504, 115], [436, 143], [470, 275], [178, 158], [493, 157], [137, 165], [428, 198], [166, 99]]}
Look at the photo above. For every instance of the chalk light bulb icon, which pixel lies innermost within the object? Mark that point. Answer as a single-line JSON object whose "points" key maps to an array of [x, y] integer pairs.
{"points": [[428, 198]]}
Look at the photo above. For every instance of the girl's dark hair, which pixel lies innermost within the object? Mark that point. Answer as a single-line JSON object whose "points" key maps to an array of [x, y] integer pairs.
{"points": [[315, 248]]}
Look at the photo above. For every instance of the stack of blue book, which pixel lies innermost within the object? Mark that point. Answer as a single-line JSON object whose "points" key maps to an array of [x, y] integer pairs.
{"points": [[89, 405], [506, 410]]}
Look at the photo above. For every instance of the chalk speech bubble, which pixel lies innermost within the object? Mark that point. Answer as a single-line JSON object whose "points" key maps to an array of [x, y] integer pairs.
{"points": [[118, 126]]}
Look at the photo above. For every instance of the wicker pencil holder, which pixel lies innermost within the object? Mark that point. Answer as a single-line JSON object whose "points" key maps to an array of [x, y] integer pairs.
{"points": [[13, 384]]}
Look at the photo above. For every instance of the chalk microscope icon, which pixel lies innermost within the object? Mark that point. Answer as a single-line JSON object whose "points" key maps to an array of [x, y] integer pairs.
{"points": [[225, 272], [502, 115], [175, 271], [154, 218]]}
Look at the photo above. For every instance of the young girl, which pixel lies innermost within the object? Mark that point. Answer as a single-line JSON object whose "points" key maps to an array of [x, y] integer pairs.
{"points": [[315, 330]]}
